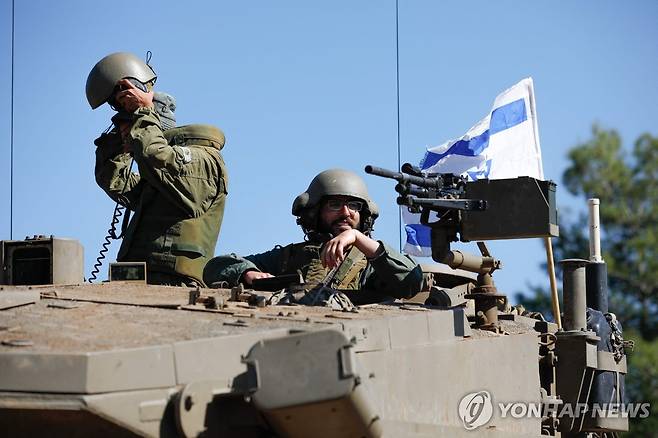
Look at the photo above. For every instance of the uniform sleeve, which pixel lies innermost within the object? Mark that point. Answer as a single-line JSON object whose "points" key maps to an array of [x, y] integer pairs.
{"points": [[230, 267], [394, 274], [188, 176], [113, 173]]}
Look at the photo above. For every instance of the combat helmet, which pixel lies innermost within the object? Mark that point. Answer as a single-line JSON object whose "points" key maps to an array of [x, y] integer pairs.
{"points": [[103, 77], [333, 182]]}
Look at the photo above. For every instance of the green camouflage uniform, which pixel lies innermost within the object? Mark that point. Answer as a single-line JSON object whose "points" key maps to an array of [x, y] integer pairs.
{"points": [[178, 196], [390, 274]]}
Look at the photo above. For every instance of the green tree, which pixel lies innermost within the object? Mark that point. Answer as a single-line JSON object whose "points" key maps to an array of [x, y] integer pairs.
{"points": [[628, 189], [626, 182], [642, 383]]}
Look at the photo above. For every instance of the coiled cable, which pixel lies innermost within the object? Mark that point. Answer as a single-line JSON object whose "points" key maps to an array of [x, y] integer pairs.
{"points": [[111, 235], [112, 231]]}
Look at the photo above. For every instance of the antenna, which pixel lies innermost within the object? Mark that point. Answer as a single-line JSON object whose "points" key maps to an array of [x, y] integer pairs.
{"points": [[397, 92], [11, 134]]}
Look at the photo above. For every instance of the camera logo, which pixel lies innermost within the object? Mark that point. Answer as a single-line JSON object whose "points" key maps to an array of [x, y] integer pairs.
{"points": [[475, 409]]}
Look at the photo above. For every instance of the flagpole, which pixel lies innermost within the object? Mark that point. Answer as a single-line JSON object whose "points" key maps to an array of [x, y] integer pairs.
{"points": [[551, 275]]}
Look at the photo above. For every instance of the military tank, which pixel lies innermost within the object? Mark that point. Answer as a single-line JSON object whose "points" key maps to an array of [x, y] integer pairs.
{"points": [[123, 358]]}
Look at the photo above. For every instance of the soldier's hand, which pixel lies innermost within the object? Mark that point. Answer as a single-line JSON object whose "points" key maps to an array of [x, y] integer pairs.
{"points": [[334, 250], [132, 98], [249, 276]]}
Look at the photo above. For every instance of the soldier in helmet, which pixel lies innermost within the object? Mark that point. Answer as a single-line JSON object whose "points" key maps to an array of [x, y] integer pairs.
{"points": [[337, 216], [178, 196]]}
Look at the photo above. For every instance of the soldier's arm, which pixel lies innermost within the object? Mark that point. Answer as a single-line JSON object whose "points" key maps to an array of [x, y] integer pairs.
{"points": [[113, 173], [228, 268], [188, 176], [231, 267], [394, 274], [334, 251]]}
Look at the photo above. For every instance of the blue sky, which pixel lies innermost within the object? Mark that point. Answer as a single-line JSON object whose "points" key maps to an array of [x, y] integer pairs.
{"points": [[301, 86]]}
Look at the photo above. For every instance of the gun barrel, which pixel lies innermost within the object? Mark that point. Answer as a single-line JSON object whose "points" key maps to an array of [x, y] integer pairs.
{"points": [[404, 178], [380, 171], [405, 189], [410, 169]]}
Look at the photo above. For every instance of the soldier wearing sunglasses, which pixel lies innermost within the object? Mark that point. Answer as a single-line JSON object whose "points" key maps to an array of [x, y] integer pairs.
{"points": [[337, 217]]}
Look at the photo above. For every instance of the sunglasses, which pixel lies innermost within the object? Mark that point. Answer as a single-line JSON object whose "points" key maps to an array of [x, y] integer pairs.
{"points": [[337, 205], [112, 99]]}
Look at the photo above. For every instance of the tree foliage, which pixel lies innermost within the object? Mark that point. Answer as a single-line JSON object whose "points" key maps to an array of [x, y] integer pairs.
{"points": [[627, 185], [642, 383]]}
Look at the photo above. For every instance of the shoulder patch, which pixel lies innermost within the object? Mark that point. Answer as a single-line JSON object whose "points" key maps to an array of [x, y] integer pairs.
{"points": [[187, 154]]}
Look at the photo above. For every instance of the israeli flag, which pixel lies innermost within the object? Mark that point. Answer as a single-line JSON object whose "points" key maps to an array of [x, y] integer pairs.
{"points": [[505, 144]]}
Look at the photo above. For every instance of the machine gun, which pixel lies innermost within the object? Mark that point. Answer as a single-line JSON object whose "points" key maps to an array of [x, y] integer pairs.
{"points": [[459, 210]]}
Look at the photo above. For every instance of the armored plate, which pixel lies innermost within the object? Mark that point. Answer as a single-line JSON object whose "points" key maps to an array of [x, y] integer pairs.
{"points": [[165, 361]]}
